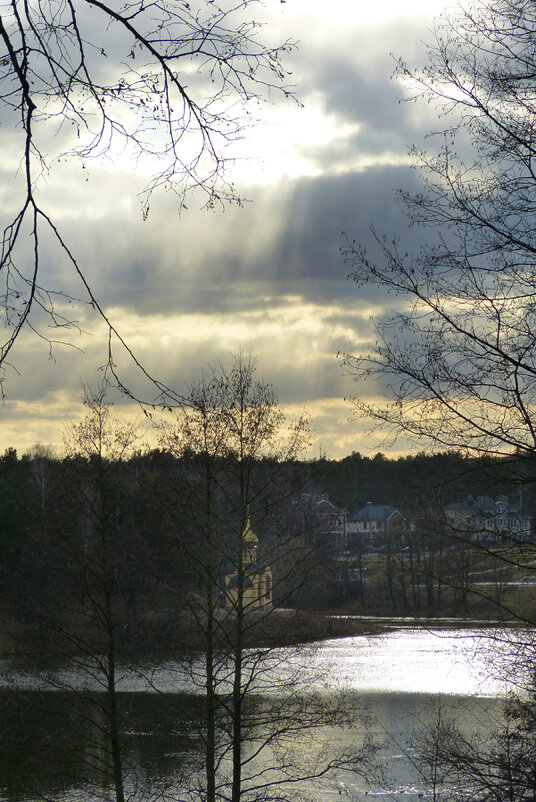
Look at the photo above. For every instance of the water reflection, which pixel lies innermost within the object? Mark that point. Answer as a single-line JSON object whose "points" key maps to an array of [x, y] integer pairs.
{"points": [[404, 661], [413, 661], [50, 745], [396, 721]]}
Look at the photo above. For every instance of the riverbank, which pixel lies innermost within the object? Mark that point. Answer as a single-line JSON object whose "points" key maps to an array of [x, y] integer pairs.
{"points": [[278, 627], [390, 622], [154, 634]]}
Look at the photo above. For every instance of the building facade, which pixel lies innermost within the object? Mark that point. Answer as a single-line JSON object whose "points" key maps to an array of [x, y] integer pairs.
{"points": [[490, 519], [374, 525], [253, 581]]}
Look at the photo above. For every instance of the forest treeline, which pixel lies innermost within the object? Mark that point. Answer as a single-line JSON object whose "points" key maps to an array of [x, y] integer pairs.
{"points": [[128, 529], [151, 509], [409, 482]]}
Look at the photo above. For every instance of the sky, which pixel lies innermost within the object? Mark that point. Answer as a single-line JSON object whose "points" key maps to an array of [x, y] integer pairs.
{"points": [[265, 278]]}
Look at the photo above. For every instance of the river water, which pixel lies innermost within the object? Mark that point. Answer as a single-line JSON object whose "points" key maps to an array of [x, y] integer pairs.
{"points": [[392, 685]]}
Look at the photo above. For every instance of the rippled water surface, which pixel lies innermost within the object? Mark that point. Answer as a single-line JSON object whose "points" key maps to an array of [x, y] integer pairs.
{"points": [[452, 662], [413, 661], [395, 678]]}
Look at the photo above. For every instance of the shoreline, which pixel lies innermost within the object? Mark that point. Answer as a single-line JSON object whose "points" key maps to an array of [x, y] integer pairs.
{"points": [[428, 622], [280, 627]]}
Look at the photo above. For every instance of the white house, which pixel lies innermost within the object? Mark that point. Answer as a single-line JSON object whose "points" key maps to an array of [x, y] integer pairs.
{"points": [[373, 525], [490, 519]]}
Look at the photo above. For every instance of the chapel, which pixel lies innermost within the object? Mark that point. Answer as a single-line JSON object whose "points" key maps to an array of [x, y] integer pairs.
{"points": [[256, 576]]}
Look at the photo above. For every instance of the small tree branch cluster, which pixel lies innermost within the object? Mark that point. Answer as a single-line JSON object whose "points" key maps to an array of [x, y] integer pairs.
{"points": [[164, 84]]}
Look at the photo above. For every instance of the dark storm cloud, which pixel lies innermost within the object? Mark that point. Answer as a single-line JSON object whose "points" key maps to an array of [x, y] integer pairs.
{"points": [[314, 380], [220, 264], [350, 320], [356, 94], [298, 377], [353, 82], [323, 210]]}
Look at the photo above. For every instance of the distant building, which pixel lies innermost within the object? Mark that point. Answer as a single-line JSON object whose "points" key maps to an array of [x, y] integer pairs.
{"points": [[490, 519], [327, 520], [373, 525], [255, 578], [328, 524]]}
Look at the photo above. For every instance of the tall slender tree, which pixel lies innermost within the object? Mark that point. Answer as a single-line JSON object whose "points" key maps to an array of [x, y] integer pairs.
{"points": [[236, 460], [82, 551]]}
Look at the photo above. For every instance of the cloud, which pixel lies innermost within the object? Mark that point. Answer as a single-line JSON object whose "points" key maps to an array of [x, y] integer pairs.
{"points": [[286, 244], [353, 84], [267, 277]]}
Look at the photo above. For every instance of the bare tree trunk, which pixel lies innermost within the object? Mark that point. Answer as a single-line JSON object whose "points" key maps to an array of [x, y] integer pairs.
{"points": [[210, 706], [389, 571], [104, 526], [210, 689], [238, 656], [236, 791], [113, 714], [440, 570]]}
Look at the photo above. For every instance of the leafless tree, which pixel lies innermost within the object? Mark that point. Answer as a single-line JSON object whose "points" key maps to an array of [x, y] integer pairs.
{"points": [[457, 355], [82, 551], [494, 763], [254, 677], [167, 83]]}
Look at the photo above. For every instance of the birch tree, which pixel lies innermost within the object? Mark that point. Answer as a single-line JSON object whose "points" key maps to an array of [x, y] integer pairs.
{"points": [[254, 676]]}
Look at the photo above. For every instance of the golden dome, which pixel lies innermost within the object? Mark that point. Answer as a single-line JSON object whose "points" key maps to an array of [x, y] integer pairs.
{"points": [[248, 536]]}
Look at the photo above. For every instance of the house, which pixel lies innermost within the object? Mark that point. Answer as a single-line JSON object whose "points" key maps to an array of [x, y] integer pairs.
{"points": [[490, 519], [328, 521], [328, 524], [254, 578], [374, 525]]}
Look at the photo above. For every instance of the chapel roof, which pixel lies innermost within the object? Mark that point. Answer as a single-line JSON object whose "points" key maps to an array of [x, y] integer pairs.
{"points": [[248, 536]]}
